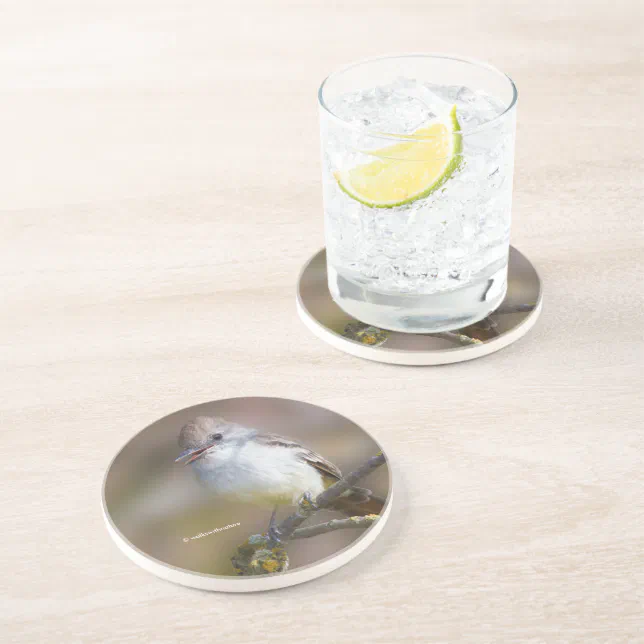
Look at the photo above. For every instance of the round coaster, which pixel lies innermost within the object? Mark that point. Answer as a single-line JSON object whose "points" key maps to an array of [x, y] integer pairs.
{"points": [[512, 320], [242, 494]]}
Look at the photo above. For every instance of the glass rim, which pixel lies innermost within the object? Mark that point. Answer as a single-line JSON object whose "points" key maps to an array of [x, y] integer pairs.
{"points": [[406, 137]]}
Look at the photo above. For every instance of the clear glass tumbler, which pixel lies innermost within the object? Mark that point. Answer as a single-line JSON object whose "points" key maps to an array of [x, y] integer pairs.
{"points": [[417, 163]]}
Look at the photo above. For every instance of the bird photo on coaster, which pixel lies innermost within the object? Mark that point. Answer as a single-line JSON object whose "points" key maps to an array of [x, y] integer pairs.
{"points": [[247, 487], [244, 465]]}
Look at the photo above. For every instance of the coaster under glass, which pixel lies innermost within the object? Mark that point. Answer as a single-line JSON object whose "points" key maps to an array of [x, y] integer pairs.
{"points": [[515, 316]]}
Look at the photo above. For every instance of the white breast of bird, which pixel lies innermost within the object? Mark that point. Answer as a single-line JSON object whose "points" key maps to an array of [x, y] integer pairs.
{"points": [[258, 473]]}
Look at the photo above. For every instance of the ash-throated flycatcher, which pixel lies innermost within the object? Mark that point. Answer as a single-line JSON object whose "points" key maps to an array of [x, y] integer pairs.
{"points": [[243, 464]]}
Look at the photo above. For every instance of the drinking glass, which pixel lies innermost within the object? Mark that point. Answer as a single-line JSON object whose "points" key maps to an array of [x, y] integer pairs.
{"points": [[417, 163]]}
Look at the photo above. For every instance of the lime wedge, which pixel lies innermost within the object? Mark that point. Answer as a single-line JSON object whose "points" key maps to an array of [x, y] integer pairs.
{"points": [[407, 171]]}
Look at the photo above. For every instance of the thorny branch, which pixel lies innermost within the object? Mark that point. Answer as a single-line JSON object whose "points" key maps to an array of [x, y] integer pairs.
{"points": [[455, 336], [335, 524], [261, 554], [514, 308], [477, 333], [306, 509]]}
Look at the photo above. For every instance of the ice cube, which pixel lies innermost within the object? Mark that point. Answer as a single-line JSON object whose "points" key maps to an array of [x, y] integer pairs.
{"points": [[433, 97], [383, 93], [464, 95]]}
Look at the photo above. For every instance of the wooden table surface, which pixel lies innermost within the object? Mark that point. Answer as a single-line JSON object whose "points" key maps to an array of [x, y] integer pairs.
{"points": [[160, 190]]}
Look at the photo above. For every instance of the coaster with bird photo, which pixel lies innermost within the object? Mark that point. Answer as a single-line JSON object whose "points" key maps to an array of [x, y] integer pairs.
{"points": [[247, 494], [516, 315]]}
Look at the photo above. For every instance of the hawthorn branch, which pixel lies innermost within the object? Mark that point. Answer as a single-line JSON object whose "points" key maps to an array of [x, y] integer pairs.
{"points": [[335, 524], [477, 333], [263, 554], [307, 508], [455, 336], [514, 308]]}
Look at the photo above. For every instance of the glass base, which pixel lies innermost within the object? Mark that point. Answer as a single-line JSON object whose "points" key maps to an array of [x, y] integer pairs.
{"points": [[433, 313]]}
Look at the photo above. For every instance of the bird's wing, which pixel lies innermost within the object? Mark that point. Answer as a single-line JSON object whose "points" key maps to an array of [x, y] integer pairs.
{"points": [[326, 468]]}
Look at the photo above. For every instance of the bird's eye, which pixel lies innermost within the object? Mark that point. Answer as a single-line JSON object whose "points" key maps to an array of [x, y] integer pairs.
{"points": [[216, 437]]}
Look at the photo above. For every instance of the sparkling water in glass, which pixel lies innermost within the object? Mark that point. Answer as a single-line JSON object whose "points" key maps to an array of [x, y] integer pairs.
{"points": [[437, 260]]}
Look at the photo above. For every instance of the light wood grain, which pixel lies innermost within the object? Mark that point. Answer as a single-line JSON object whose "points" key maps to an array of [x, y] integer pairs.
{"points": [[160, 191]]}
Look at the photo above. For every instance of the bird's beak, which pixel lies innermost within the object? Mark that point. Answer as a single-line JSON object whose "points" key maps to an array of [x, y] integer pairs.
{"points": [[192, 454]]}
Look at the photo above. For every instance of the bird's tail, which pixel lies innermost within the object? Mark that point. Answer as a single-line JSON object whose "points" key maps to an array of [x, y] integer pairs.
{"points": [[359, 502]]}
